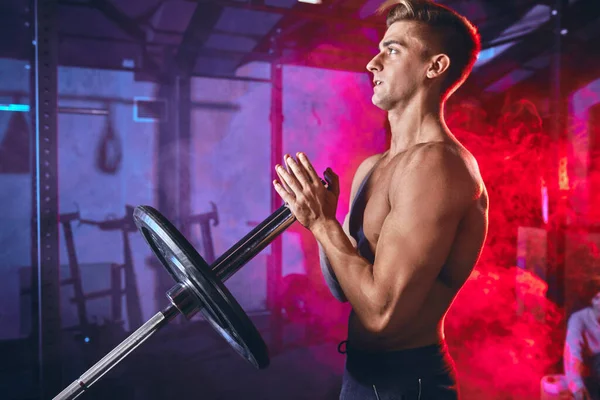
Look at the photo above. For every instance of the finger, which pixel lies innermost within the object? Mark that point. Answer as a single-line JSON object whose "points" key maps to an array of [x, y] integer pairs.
{"points": [[284, 194], [289, 179], [308, 167], [298, 171], [333, 180], [283, 183], [331, 176], [288, 170]]}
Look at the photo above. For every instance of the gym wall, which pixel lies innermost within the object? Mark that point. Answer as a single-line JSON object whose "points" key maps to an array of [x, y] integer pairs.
{"points": [[109, 161]]}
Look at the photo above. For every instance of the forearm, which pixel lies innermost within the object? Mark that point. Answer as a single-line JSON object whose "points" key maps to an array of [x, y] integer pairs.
{"points": [[574, 373], [330, 278], [353, 272], [572, 355]]}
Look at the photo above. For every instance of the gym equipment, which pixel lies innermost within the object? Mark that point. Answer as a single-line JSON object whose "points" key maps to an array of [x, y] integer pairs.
{"points": [[115, 291], [126, 225], [199, 287], [197, 228], [109, 153], [204, 221]]}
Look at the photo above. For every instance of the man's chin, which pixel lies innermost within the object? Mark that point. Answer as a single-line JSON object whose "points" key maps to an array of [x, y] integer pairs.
{"points": [[380, 103]]}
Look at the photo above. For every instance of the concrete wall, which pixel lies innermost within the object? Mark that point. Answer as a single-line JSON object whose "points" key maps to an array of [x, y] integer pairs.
{"points": [[327, 114]]}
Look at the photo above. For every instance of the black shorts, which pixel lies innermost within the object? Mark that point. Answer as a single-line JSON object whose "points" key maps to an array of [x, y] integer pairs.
{"points": [[424, 373]]}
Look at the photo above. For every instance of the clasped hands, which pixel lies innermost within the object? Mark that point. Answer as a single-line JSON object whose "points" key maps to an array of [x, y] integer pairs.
{"points": [[302, 190]]}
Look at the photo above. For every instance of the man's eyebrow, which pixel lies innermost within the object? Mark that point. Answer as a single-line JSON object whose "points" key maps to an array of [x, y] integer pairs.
{"points": [[400, 43]]}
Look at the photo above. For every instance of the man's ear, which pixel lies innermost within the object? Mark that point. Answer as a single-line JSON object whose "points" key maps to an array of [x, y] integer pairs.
{"points": [[439, 64]]}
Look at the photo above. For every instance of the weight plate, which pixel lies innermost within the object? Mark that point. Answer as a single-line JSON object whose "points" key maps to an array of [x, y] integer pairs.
{"points": [[186, 266]]}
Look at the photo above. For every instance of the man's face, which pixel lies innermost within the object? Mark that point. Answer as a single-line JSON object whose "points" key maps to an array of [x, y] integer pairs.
{"points": [[400, 67]]}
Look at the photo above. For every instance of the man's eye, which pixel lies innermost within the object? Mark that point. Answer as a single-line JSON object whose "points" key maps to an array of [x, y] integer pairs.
{"points": [[392, 51]]}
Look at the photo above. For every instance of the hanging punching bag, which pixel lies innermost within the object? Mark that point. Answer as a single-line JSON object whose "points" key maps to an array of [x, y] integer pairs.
{"points": [[109, 154]]}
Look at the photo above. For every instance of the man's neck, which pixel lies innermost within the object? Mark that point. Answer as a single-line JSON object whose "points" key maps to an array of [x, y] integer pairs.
{"points": [[414, 123]]}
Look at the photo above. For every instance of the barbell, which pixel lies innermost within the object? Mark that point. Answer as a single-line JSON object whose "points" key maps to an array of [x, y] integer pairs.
{"points": [[199, 288]]}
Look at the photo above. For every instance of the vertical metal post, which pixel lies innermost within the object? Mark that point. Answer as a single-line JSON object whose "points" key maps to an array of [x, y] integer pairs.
{"points": [[75, 271], [557, 231], [116, 286], [46, 324], [174, 158], [166, 180], [134, 308], [274, 266], [184, 137], [165, 153]]}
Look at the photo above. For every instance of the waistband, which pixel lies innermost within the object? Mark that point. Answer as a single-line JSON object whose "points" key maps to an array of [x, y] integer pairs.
{"points": [[414, 362]]}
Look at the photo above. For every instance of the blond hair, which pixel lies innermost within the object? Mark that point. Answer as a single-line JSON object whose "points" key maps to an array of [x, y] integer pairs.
{"points": [[458, 37]]}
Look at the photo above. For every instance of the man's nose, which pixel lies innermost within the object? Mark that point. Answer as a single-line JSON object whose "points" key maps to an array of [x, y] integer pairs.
{"points": [[374, 64]]}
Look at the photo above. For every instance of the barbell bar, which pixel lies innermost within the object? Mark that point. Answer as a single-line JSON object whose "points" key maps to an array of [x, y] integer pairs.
{"points": [[199, 288]]}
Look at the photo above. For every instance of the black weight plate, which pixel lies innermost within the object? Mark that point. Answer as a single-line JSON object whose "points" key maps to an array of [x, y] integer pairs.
{"points": [[186, 266]]}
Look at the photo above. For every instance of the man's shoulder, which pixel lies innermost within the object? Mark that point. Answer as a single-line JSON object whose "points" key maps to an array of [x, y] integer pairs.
{"points": [[579, 316], [437, 153], [443, 164], [443, 158], [578, 321]]}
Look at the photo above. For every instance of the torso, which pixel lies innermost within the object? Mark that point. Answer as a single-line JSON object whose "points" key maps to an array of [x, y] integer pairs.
{"points": [[590, 331], [427, 327]]}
